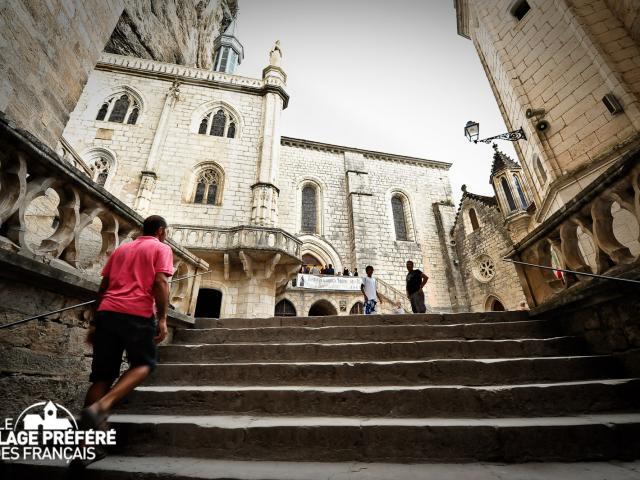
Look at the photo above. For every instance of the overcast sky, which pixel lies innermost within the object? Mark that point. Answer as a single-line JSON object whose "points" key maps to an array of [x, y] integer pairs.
{"points": [[386, 75]]}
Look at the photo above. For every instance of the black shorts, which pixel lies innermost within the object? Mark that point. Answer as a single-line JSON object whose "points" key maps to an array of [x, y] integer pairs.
{"points": [[116, 333]]}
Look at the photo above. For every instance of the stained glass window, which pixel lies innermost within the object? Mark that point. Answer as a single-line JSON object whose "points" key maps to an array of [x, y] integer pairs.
{"points": [[309, 209], [119, 109], [219, 120], [399, 219], [507, 193], [207, 187]]}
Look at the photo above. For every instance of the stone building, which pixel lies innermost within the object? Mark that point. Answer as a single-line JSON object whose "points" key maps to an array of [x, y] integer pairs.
{"points": [[482, 239], [568, 74], [204, 147]]}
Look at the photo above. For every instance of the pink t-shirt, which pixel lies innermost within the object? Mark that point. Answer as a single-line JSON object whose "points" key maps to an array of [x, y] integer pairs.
{"points": [[131, 270]]}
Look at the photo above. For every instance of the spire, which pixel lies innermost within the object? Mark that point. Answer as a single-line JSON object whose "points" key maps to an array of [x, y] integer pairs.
{"points": [[228, 52], [502, 162]]}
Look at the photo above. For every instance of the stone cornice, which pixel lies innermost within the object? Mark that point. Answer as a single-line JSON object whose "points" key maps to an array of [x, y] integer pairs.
{"points": [[111, 62], [327, 147]]}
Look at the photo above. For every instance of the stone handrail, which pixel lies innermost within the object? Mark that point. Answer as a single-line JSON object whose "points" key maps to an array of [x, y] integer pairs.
{"points": [[393, 295], [68, 154], [587, 218], [30, 170], [246, 237]]}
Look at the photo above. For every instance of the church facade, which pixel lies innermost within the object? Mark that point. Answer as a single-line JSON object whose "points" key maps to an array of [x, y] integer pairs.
{"points": [[204, 148]]}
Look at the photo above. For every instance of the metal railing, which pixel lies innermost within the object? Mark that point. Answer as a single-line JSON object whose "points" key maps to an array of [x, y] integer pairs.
{"points": [[586, 274], [83, 304]]}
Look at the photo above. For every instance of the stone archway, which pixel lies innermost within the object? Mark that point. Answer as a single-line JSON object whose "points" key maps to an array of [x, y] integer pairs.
{"points": [[322, 308], [494, 304]]}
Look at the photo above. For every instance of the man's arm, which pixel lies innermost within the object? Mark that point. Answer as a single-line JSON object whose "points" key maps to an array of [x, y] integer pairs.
{"points": [[161, 296], [362, 290], [424, 280]]}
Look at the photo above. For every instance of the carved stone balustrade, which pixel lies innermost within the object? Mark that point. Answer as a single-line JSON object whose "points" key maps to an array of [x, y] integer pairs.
{"points": [[69, 155], [245, 238], [69, 205], [596, 232]]}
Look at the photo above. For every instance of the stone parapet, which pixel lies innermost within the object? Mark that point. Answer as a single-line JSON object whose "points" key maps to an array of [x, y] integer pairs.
{"points": [[30, 170], [189, 75], [237, 238], [585, 235]]}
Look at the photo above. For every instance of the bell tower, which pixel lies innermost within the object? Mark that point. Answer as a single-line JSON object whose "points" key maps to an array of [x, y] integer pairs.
{"points": [[228, 52]]}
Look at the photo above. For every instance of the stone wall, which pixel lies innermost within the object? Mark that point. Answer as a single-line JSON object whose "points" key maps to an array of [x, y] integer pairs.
{"points": [[183, 150], [41, 360], [174, 31], [360, 227], [48, 50], [488, 243], [562, 57]]}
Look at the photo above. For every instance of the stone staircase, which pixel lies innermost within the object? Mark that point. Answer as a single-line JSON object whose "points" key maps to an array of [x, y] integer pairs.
{"points": [[371, 397]]}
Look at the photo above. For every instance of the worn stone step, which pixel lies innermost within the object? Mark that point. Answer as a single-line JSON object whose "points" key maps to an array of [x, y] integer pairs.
{"points": [[550, 399], [378, 333], [575, 438], [359, 320], [432, 372], [116, 467], [362, 351]]}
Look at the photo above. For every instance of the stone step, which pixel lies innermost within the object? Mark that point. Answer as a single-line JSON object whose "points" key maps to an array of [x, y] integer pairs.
{"points": [[432, 372], [188, 468], [362, 351], [550, 399], [325, 439], [378, 333], [359, 320]]}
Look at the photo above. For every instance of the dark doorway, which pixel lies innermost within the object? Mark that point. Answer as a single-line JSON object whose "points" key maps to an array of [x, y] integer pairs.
{"points": [[284, 308], [209, 303], [497, 306], [322, 308]]}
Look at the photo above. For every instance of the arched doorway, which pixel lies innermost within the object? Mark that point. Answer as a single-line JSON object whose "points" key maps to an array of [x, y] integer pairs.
{"points": [[284, 308], [209, 303], [322, 308], [494, 305], [311, 261], [357, 309]]}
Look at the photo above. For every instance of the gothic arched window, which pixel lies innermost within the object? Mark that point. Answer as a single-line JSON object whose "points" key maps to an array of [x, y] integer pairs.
{"points": [[218, 123], [208, 187], [473, 218], [120, 108], [100, 170], [399, 218], [309, 209], [507, 193], [523, 199]]}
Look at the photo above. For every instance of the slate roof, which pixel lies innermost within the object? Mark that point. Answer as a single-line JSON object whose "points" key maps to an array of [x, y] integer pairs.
{"points": [[501, 162]]}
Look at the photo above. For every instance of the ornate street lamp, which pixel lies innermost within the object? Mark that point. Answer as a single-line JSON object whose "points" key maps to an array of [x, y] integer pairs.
{"points": [[472, 132]]}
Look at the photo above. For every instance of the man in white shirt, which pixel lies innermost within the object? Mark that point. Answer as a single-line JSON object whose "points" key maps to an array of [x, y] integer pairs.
{"points": [[369, 288]]}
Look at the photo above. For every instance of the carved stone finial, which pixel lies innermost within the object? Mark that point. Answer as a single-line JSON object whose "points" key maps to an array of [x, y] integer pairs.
{"points": [[275, 55], [495, 146], [464, 188], [174, 89]]}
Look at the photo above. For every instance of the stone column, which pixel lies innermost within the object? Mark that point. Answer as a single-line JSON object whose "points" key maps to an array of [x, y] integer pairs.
{"points": [[148, 175], [264, 207]]}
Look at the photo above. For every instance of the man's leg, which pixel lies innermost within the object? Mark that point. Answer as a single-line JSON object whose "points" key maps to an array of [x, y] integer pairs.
{"points": [[414, 306], [421, 307], [96, 391], [125, 385]]}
